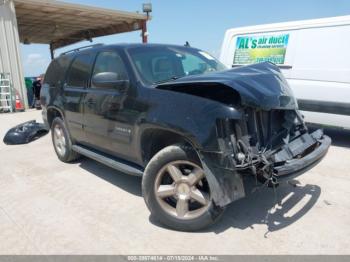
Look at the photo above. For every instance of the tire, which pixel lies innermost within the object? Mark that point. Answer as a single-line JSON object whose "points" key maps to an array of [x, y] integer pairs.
{"points": [[61, 141], [180, 203]]}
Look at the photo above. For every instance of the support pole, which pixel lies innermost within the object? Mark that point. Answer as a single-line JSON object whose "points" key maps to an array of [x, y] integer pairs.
{"points": [[51, 51], [144, 32]]}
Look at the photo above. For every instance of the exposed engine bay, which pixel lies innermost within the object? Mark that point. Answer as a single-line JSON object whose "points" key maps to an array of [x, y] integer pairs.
{"points": [[264, 142]]}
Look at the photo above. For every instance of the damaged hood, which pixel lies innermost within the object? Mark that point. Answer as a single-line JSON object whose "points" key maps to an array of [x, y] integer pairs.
{"points": [[260, 85]]}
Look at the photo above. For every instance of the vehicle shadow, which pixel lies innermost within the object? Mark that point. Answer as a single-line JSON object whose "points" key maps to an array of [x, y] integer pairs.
{"points": [[131, 184], [264, 206], [276, 209]]}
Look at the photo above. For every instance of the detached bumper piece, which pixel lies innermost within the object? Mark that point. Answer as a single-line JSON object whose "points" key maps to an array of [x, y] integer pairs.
{"points": [[300, 155], [25, 133]]}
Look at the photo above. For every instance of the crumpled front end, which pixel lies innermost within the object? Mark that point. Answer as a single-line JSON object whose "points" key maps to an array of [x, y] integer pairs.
{"points": [[300, 155], [276, 145], [270, 146], [268, 140], [259, 85]]}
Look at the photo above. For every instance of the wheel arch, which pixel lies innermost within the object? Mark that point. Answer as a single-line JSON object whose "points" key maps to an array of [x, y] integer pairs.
{"points": [[226, 185], [154, 139], [52, 113]]}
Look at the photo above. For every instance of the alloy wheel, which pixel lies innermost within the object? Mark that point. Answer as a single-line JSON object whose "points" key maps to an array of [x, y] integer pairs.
{"points": [[182, 190], [59, 140]]}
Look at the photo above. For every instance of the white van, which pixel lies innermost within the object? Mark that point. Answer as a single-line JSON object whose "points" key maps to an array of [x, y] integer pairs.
{"points": [[314, 56]]}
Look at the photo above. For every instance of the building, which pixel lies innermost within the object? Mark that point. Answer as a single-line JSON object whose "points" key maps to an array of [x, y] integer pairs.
{"points": [[59, 24]]}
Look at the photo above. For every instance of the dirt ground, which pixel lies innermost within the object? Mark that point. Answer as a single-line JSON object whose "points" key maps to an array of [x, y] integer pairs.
{"points": [[49, 207]]}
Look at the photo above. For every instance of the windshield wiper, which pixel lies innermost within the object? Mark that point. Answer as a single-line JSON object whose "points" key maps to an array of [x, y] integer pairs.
{"points": [[167, 80]]}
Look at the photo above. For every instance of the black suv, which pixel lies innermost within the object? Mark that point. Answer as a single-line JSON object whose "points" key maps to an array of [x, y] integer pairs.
{"points": [[195, 131]]}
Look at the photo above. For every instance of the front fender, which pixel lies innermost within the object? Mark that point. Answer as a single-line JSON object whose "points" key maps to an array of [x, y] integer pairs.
{"points": [[195, 118], [226, 185]]}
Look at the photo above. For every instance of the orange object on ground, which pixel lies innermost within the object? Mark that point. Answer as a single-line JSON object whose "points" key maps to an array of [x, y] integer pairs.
{"points": [[19, 105]]}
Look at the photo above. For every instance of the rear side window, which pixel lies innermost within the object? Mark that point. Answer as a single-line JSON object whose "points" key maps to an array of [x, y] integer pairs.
{"points": [[57, 70], [79, 72]]}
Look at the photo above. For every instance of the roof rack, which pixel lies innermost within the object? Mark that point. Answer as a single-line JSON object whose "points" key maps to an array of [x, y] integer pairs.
{"points": [[80, 48]]}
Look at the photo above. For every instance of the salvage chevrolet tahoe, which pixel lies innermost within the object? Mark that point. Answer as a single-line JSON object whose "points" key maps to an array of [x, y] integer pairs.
{"points": [[195, 131]]}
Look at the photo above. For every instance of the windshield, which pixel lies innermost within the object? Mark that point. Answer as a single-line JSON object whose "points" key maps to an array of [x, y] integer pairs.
{"points": [[159, 64]]}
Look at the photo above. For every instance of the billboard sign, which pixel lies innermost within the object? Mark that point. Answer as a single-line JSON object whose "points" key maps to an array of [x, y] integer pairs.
{"points": [[261, 48]]}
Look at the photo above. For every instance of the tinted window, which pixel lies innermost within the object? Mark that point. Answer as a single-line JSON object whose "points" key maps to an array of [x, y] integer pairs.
{"points": [[110, 62], [57, 71], [79, 72]]}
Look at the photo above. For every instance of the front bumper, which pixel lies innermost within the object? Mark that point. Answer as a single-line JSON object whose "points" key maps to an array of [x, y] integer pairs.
{"points": [[300, 155], [229, 182]]}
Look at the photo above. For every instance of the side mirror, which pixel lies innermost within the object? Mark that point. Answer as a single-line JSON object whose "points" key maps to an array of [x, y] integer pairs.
{"points": [[109, 80]]}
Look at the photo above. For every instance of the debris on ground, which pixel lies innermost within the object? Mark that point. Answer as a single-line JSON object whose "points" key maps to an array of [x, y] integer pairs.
{"points": [[25, 133]]}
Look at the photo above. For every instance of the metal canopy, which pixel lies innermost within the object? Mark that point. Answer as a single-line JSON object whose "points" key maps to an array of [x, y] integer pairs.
{"points": [[60, 24]]}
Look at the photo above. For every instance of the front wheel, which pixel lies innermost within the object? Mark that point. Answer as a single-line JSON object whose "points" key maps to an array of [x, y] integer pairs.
{"points": [[176, 190]]}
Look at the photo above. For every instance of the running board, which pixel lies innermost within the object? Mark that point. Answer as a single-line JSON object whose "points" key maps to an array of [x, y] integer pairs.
{"points": [[113, 163]]}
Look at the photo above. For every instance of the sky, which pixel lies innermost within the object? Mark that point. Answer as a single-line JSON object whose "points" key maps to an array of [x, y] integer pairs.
{"points": [[200, 22]]}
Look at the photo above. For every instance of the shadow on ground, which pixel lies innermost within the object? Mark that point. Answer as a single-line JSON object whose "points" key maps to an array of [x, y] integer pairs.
{"points": [[131, 184], [276, 209]]}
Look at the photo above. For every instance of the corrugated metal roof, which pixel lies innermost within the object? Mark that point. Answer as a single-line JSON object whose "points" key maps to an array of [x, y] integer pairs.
{"points": [[61, 24]]}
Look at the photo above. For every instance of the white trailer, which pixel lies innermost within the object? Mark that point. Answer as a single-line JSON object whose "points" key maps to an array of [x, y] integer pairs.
{"points": [[314, 56]]}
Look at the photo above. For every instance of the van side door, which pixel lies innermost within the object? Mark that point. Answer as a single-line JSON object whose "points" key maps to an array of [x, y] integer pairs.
{"points": [[75, 85], [107, 128]]}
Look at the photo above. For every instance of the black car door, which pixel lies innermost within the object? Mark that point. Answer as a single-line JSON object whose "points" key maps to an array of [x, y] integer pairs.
{"points": [[74, 87], [107, 126]]}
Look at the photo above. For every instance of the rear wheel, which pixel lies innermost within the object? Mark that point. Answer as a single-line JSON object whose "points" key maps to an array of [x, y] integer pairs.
{"points": [[176, 190], [62, 142]]}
